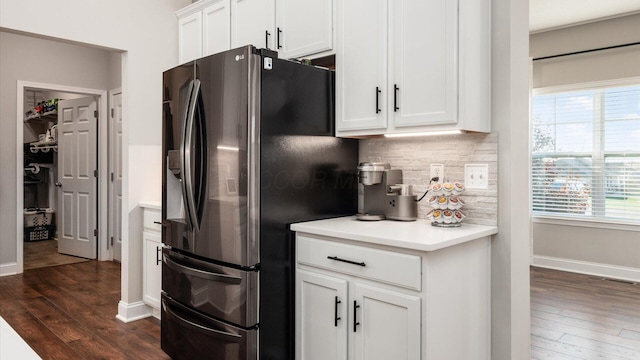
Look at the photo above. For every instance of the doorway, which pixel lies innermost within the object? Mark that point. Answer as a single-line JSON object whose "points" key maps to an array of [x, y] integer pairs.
{"points": [[98, 176]]}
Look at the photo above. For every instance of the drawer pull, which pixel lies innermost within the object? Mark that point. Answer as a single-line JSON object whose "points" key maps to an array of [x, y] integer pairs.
{"points": [[355, 322], [335, 312], [347, 261]]}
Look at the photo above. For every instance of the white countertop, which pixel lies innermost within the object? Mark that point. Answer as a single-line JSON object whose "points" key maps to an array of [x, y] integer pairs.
{"points": [[415, 235], [151, 204]]}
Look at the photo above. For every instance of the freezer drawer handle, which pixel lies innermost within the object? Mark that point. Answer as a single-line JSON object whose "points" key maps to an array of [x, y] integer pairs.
{"points": [[335, 312], [346, 261], [203, 329], [355, 315], [200, 273]]}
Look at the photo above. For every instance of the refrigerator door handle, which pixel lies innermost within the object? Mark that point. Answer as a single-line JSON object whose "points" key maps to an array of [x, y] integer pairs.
{"points": [[230, 337], [187, 179], [228, 279]]}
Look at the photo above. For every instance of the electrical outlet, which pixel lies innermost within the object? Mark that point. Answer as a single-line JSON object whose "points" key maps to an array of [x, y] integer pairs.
{"points": [[437, 170], [476, 176]]}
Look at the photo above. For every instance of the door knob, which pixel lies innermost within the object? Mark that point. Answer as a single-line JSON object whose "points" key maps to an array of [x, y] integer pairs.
{"points": [[59, 184]]}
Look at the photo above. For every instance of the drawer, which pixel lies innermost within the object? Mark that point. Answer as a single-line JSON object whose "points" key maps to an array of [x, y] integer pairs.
{"points": [[151, 219], [380, 265]]}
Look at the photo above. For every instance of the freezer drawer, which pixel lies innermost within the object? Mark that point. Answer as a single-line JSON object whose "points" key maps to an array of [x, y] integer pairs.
{"points": [[188, 334], [219, 291]]}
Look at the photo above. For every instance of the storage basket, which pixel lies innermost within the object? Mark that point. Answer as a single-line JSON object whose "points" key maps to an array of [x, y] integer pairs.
{"points": [[38, 217], [35, 233]]}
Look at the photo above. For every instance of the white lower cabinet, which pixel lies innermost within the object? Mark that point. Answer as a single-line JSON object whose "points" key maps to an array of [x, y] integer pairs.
{"points": [[152, 260], [367, 301], [340, 316]]}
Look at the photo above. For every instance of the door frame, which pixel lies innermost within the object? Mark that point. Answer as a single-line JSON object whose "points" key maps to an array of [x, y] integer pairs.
{"points": [[104, 252], [111, 157]]}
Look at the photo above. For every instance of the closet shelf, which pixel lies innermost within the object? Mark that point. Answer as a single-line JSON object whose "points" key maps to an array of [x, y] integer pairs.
{"points": [[46, 116]]}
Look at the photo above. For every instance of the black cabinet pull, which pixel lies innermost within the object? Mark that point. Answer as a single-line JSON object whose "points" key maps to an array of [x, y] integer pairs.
{"points": [[157, 222], [355, 314], [395, 97], [346, 261], [278, 38], [335, 312], [158, 257], [378, 100], [266, 38]]}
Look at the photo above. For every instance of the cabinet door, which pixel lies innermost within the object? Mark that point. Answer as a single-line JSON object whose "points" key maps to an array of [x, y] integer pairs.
{"points": [[423, 62], [321, 317], [252, 23], [216, 28], [388, 324], [190, 37], [361, 65], [152, 276], [304, 27]]}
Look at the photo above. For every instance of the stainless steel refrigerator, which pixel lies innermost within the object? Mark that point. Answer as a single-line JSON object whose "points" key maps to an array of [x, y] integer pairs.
{"points": [[249, 148]]}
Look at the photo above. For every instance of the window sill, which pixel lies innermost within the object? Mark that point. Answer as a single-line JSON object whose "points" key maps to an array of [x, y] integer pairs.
{"points": [[600, 224]]}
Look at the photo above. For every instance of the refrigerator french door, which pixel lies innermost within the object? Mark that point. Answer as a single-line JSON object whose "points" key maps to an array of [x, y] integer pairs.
{"points": [[248, 148]]}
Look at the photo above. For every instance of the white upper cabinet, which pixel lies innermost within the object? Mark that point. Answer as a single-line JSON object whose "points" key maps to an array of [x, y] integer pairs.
{"points": [[216, 28], [203, 29], [252, 23], [293, 28], [361, 63], [425, 63], [303, 27], [190, 37]]}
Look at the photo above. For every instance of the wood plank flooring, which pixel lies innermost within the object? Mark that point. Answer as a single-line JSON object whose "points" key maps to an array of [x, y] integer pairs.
{"points": [[576, 316], [44, 253], [68, 312]]}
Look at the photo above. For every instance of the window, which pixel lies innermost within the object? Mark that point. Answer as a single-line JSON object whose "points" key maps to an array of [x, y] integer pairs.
{"points": [[585, 154]]}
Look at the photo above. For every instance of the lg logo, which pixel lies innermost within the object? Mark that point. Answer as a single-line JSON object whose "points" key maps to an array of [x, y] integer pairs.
{"points": [[239, 57]]}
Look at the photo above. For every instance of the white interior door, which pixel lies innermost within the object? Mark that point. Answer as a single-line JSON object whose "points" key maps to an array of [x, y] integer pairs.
{"points": [[115, 173], [77, 177]]}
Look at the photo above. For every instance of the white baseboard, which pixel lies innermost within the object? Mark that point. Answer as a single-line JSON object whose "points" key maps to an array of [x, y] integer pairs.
{"points": [[132, 312], [588, 268], [8, 269]]}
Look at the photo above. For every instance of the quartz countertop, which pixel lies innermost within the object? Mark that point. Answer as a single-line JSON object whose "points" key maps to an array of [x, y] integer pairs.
{"points": [[151, 204], [414, 235]]}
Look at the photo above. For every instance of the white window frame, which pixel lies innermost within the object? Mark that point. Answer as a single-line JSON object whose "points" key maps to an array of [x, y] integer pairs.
{"points": [[565, 219]]}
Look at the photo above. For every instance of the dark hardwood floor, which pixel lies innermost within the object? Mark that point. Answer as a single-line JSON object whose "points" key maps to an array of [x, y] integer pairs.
{"points": [[576, 316], [68, 312]]}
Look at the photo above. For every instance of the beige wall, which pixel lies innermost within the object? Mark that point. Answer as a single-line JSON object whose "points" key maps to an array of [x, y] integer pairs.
{"points": [[32, 59], [562, 245], [145, 32]]}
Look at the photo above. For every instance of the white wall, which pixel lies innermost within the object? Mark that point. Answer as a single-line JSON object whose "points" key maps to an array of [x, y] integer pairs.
{"points": [[37, 60], [601, 250], [510, 334], [146, 31]]}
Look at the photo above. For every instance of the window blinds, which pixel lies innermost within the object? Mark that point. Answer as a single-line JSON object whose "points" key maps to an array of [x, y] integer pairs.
{"points": [[586, 153]]}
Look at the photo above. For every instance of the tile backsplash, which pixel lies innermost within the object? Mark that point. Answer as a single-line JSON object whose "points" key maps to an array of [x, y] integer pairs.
{"points": [[414, 157]]}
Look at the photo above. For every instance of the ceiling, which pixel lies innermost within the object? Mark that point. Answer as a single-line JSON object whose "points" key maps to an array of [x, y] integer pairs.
{"points": [[549, 14]]}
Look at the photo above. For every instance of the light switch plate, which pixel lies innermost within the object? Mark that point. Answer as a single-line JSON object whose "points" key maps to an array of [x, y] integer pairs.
{"points": [[476, 176], [437, 170]]}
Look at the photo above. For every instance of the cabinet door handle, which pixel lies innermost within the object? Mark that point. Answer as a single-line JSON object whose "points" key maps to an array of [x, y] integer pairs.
{"points": [[355, 315], [158, 256], [346, 261], [395, 97], [335, 312], [266, 38], [278, 38], [378, 91]]}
